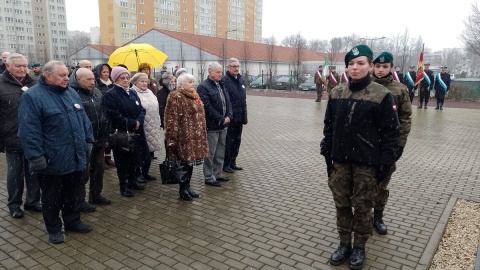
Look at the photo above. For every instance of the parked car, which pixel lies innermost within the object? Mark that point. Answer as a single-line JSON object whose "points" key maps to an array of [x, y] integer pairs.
{"points": [[284, 83], [260, 83], [308, 85], [249, 78]]}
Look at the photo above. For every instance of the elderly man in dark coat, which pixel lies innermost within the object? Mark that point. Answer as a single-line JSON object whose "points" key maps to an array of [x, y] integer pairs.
{"points": [[218, 112], [235, 85], [57, 137], [13, 83]]}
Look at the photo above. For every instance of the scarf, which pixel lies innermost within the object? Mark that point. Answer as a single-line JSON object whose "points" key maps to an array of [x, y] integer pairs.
{"points": [[360, 84]]}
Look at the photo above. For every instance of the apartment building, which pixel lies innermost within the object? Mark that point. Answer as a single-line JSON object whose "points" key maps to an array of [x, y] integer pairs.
{"points": [[34, 28], [124, 20]]}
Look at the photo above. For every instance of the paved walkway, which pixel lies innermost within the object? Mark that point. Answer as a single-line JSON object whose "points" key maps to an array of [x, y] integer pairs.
{"points": [[277, 213]]}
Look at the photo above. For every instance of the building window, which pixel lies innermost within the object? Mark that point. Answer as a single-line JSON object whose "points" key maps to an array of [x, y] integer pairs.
{"points": [[142, 2], [141, 11], [123, 4], [142, 21], [124, 14], [133, 6]]}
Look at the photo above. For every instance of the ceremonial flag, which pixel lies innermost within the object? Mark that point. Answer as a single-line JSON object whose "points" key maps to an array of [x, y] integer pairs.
{"points": [[325, 67], [420, 74]]}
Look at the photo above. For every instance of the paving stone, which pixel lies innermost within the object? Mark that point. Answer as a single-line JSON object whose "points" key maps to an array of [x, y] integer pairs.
{"points": [[278, 213]]}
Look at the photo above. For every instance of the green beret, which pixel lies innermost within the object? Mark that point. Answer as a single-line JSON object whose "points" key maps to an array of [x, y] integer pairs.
{"points": [[357, 51], [384, 57], [35, 65]]}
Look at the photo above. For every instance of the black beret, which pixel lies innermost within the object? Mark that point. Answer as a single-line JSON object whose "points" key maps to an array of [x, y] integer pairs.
{"points": [[384, 57], [357, 51], [412, 66], [427, 64], [320, 66], [444, 67]]}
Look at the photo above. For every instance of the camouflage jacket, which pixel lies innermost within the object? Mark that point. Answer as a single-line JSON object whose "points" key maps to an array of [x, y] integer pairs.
{"points": [[402, 101], [330, 83], [361, 125]]}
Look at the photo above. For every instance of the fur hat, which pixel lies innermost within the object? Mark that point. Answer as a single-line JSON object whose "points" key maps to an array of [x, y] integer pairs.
{"points": [[357, 51], [138, 76], [180, 71], [117, 71]]}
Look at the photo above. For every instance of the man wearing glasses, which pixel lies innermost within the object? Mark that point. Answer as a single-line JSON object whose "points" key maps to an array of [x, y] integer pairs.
{"points": [[235, 86]]}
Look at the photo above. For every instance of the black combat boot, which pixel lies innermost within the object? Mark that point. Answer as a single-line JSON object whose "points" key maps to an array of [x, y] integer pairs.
{"points": [[441, 105], [341, 254], [378, 224], [438, 106], [357, 259]]}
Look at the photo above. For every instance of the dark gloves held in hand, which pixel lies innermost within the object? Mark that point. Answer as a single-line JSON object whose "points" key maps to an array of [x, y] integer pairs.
{"points": [[399, 152], [37, 164], [382, 172], [329, 162]]}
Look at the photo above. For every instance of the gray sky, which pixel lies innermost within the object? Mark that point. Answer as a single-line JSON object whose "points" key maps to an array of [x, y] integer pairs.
{"points": [[438, 22]]}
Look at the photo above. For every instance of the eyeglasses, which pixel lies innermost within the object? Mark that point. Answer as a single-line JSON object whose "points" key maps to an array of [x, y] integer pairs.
{"points": [[234, 66], [124, 78]]}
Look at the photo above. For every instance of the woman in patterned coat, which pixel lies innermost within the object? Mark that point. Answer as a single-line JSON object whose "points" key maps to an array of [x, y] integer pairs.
{"points": [[185, 132]]}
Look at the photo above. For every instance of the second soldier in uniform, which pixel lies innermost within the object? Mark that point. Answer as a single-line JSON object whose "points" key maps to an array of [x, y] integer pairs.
{"points": [[382, 74]]}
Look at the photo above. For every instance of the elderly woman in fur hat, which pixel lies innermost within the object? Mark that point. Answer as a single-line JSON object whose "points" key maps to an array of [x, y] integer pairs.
{"points": [[185, 132], [153, 84]]}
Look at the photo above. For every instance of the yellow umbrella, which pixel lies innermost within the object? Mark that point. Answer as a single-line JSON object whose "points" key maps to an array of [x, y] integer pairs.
{"points": [[132, 55]]}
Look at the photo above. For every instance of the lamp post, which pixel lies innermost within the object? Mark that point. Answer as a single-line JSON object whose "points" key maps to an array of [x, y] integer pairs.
{"points": [[225, 51], [372, 41]]}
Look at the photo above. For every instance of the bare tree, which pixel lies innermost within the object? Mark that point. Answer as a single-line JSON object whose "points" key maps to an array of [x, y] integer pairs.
{"points": [[471, 34], [270, 40], [336, 46], [247, 55], [201, 61], [318, 45], [182, 55], [271, 63], [299, 43], [76, 41]]}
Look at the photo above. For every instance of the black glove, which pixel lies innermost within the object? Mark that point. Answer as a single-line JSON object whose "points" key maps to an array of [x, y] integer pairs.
{"points": [[329, 162], [382, 172], [37, 164], [399, 152]]}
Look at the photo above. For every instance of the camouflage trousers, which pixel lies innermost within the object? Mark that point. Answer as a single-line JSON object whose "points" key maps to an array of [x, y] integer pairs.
{"points": [[319, 91], [382, 196], [354, 186]]}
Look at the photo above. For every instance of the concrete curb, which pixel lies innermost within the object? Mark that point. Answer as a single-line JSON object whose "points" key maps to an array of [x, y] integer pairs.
{"points": [[437, 234], [477, 261]]}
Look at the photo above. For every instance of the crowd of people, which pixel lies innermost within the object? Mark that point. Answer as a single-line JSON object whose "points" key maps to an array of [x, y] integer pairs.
{"points": [[57, 134], [59, 128]]}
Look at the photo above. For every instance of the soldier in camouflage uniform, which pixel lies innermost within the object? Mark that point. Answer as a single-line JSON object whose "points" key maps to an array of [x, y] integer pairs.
{"points": [[319, 83], [382, 74], [360, 147], [332, 79]]}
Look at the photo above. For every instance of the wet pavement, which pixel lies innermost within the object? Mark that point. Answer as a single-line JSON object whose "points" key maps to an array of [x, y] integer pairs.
{"points": [[277, 213]]}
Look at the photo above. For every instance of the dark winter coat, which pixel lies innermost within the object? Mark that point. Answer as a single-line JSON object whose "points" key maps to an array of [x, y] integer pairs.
{"points": [[10, 93], [210, 96], [98, 83], [361, 125], [52, 123], [238, 97], [123, 110], [92, 102], [410, 88]]}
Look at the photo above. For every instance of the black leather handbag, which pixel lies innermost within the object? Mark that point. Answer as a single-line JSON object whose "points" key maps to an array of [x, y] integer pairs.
{"points": [[122, 139], [167, 172]]}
